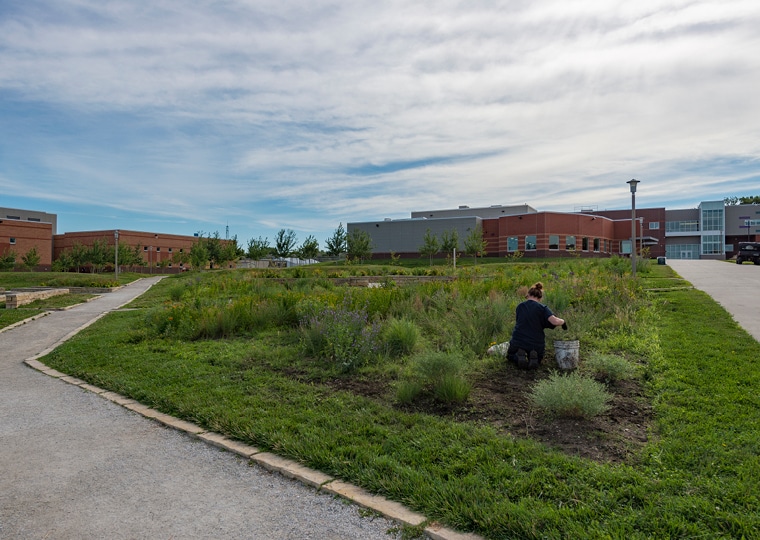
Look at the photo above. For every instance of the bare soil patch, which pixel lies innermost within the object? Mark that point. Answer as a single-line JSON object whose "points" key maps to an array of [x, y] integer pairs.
{"points": [[500, 399]]}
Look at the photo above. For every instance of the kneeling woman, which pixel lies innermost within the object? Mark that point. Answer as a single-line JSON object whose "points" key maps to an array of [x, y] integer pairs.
{"points": [[527, 346]]}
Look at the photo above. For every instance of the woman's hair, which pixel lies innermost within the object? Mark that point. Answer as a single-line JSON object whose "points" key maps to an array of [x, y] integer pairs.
{"points": [[537, 290]]}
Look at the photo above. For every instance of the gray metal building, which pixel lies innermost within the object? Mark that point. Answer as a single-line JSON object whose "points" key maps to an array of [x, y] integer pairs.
{"points": [[406, 236]]}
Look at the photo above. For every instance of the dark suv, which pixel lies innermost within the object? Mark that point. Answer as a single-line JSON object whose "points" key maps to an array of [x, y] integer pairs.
{"points": [[748, 251]]}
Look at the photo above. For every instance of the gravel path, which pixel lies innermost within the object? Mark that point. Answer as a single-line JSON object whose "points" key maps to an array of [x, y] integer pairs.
{"points": [[76, 466]]}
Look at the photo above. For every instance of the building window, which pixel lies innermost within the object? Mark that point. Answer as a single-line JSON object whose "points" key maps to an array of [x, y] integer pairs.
{"points": [[625, 247], [158, 249], [654, 225], [554, 242], [682, 251], [530, 242], [170, 250], [512, 243], [13, 241], [712, 216], [712, 244], [13, 217], [33, 219], [682, 226], [145, 248], [570, 243], [584, 243], [596, 245], [181, 250]]}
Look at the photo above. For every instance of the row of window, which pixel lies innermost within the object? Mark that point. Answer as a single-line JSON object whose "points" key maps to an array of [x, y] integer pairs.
{"points": [[158, 249], [529, 243], [38, 220]]}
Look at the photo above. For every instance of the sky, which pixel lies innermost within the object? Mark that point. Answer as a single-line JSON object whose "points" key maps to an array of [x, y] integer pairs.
{"points": [[195, 117]]}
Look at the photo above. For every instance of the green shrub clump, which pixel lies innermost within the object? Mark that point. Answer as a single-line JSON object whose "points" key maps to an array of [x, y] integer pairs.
{"points": [[609, 367], [573, 395], [400, 337], [342, 335], [440, 374]]}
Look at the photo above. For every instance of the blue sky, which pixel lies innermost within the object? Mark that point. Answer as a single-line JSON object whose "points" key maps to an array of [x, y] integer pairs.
{"points": [[185, 117]]}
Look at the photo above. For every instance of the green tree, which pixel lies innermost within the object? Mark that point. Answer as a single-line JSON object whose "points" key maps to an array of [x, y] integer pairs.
{"points": [[64, 262], [733, 201], [99, 254], [336, 244], [258, 248], [199, 254], [31, 259], [8, 260], [449, 241], [475, 244], [430, 246], [284, 243], [358, 245], [309, 249], [230, 250], [129, 256], [78, 255], [214, 249]]}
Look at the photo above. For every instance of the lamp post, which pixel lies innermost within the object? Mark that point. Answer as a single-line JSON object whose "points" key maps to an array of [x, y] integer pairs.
{"points": [[633, 184], [116, 252]]}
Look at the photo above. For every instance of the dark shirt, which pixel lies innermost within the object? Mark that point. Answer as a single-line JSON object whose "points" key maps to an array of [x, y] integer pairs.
{"points": [[532, 318]]}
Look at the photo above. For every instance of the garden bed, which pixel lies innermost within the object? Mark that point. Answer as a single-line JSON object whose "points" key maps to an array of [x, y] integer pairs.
{"points": [[500, 399]]}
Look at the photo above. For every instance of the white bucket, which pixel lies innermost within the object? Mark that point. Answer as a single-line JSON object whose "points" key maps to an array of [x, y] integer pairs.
{"points": [[567, 353]]}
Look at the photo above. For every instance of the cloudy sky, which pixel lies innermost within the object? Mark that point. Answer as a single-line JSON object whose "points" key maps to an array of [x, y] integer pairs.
{"points": [[184, 117]]}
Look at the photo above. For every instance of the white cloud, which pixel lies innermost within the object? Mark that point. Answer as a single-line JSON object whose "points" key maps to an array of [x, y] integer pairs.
{"points": [[328, 112]]}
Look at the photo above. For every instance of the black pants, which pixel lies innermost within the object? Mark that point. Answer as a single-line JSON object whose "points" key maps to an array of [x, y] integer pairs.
{"points": [[512, 352]]}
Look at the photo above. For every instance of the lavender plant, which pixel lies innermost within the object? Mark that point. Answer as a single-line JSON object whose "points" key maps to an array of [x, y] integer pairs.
{"points": [[342, 335]]}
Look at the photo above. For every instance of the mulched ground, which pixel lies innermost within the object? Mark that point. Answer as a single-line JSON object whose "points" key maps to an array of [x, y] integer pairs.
{"points": [[500, 399]]}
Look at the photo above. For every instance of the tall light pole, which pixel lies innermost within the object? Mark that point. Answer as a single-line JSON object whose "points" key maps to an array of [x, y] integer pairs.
{"points": [[116, 252], [633, 184]]}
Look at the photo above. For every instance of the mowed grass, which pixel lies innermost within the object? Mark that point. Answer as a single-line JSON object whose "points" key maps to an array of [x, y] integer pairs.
{"points": [[697, 478]]}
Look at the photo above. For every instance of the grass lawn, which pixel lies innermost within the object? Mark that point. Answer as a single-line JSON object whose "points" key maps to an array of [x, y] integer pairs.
{"points": [[11, 280], [697, 476]]}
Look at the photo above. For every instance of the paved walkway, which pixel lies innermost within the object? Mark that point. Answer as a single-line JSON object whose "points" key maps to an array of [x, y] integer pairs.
{"points": [[76, 464], [735, 286]]}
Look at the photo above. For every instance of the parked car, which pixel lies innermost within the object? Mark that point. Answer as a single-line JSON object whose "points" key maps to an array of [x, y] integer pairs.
{"points": [[748, 251]]}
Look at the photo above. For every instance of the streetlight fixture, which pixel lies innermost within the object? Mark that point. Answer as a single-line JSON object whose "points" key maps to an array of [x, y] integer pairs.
{"points": [[633, 183], [116, 252]]}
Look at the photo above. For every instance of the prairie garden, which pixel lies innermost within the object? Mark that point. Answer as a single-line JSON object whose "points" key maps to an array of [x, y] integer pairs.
{"points": [[390, 387]]}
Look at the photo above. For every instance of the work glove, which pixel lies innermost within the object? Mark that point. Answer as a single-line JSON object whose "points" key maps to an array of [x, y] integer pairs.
{"points": [[564, 326]]}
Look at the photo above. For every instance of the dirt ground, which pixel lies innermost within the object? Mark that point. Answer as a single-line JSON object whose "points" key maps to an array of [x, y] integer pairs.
{"points": [[500, 399]]}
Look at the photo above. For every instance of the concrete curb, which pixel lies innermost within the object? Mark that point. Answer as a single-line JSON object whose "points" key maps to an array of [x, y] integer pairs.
{"points": [[291, 469], [25, 321]]}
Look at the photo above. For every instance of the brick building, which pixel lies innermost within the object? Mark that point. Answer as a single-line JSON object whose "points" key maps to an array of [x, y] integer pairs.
{"points": [[19, 236], [169, 250]]}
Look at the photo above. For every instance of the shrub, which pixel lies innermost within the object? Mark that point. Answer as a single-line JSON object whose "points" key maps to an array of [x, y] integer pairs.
{"points": [[572, 395], [342, 335], [400, 336], [440, 373], [452, 389], [407, 391], [176, 292], [609, 367]]}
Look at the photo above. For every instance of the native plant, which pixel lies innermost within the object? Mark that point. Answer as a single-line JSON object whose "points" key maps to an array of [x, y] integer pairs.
{"points": [[342, 335], [572, 395], [436, 373], [609, 367]]}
